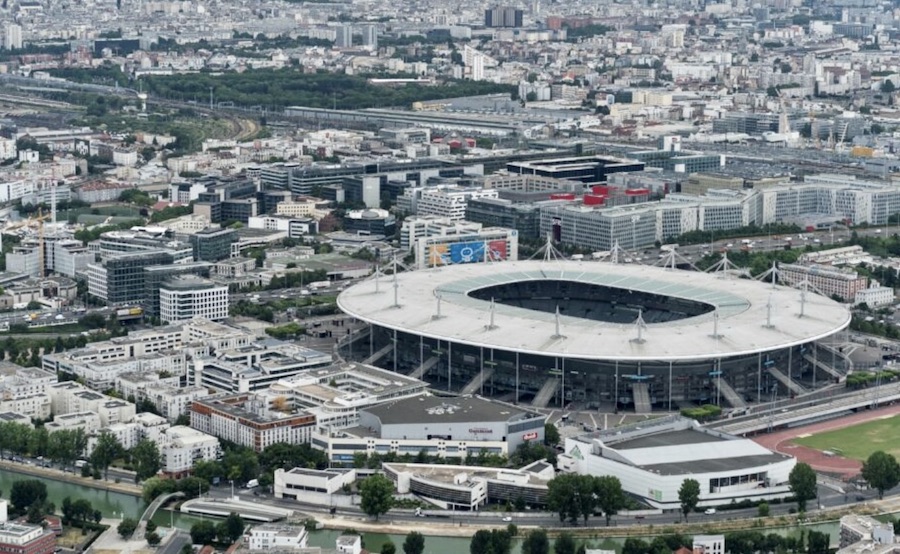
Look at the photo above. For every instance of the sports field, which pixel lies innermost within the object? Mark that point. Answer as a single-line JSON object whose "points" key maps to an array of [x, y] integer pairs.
{"points": [[858, 441]]}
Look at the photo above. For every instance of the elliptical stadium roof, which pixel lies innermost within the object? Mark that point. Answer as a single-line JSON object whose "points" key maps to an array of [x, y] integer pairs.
{"points": [[742, 307]]}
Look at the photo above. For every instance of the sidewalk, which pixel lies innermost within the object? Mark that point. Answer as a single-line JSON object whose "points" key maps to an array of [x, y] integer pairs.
{"points": [[59, 475]]}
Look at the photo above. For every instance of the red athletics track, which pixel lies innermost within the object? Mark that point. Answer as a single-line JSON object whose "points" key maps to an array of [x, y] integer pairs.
{"points": [[781, 441]]}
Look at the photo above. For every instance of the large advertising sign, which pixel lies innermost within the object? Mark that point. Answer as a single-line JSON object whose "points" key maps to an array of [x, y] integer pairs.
{"points": [[466, 252], [438, 255], [497, 250]]}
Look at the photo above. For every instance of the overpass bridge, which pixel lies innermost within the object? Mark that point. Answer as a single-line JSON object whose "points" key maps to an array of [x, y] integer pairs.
{"points": [[157, 503]]}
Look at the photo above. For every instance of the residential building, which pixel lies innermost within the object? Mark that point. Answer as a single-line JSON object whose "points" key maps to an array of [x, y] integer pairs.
{"points": [[187, 297], [184, 447], [828, 281], [271, 536], [89, 422], [875, 296], [246, 419], [503, 16], [25, 390], [859, 528], [256, 366], [12, 37], [24, 538], [709, 544], [71, 397]]}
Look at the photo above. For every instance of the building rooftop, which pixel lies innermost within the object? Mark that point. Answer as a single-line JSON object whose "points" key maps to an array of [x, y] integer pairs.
{"points": [[463, 409]]}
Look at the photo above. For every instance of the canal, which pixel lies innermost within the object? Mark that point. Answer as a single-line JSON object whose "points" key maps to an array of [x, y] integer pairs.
{"points": [[118, 505]]}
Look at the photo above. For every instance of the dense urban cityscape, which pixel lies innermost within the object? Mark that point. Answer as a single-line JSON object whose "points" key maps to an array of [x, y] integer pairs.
{"points": [[497, 278]]}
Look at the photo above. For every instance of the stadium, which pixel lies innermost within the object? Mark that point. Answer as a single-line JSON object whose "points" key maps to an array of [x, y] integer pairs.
{"points": [[603, 335]]}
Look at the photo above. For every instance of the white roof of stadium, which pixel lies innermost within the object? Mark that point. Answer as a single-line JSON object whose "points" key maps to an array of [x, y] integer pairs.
{"points": [[740, 303]]}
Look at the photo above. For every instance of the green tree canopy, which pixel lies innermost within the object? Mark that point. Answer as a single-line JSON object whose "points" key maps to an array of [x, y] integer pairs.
{"points": [[376, 495], [203, 532], [536, 542], [414, 543], [25, 493], [689, 496], [610, 497], [803, 484], [145, 456], [127, 527], [107, 449], [881, 471]]}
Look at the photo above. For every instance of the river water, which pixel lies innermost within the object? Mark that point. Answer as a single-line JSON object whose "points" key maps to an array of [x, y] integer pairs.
{"points": [[118, 505]]}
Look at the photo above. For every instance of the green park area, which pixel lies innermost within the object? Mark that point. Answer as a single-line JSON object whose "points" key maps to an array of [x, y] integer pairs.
{"points": [[858, 441]]}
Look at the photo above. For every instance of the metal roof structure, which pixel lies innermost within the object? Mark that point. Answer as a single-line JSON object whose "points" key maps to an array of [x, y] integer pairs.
{"points": [[749, 317]]}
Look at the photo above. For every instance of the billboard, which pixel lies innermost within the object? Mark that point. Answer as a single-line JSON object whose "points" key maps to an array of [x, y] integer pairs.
{"points": [[438, 255], [497, 250], [466, 252]]}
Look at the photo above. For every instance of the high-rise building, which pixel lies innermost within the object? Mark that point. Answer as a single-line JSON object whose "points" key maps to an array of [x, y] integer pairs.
{"points": [[474, 61], [502, 16], [119, 280], [370, 36], [344, 37], [12, 37]]}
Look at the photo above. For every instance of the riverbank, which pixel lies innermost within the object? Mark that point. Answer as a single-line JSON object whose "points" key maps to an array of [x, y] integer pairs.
{"points": [[59, 475], [434, 527]]}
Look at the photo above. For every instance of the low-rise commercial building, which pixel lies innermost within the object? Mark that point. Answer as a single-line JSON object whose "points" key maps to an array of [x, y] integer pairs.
{"points": [[271, 536], [293, 483]]}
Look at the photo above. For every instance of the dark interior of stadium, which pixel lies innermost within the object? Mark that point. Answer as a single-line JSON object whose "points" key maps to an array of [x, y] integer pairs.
{"points": [[590, 301]]}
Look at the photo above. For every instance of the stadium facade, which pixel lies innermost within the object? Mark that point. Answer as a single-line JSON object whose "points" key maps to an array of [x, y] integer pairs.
{"points": [[550, 333]]}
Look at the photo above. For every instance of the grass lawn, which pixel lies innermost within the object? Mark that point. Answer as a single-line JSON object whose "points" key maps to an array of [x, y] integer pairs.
{"points": [[858, 441]]}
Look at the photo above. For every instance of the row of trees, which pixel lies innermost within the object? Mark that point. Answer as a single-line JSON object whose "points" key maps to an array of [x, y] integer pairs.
{"points": [[288, 87], [62, 447], [574, 496], [225, 532]]}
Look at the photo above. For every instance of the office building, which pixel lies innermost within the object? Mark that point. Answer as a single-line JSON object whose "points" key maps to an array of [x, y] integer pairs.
{"points": [[503, 16], [154, 276], [254, 367], [875, 296], [449, 202], [370, 222], [709, 544], [187, 297], [119, 280], [12, 37], [293, 483], [586, 169], [212, 245], [247, 420]]}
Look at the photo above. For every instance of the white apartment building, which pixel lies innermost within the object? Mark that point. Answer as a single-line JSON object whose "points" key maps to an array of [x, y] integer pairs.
{"points": [[709, 544], [187, 297], [25, 390], [255, 367], [12, 36], [145, 426], [449, 202], [875, 296], [184, 447], [246, 419], [303, 207], [8, 149], [294, 227], [88, 421], [71, 397], [277, 536]]}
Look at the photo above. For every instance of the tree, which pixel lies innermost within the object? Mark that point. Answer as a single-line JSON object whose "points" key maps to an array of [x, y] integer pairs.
{"points": [[818, 543], [145, 456], [565, 544], [763, 509], [153, 538], [536, 542], [234, 527], [881, 471], [203, 532], [481, 542], [610, 498], [551, 434], [107, 449], [388, 548], [35, 514], [414, 543], [803, 484], [25, 493], [888, 86], [376, 496], [127, 527], [689, 496]]}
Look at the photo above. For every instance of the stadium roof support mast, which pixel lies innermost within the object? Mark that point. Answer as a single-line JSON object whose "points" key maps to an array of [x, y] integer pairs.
{"points": [[491, 325], [558, 334], [438, 296], [726, 267], [549, 252], [640, 325], [769, 314], [396, 286], [614, 253], [715, 333]]}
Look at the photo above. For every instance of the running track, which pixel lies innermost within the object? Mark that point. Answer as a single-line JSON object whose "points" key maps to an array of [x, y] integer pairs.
{"points": [[781, 441]]}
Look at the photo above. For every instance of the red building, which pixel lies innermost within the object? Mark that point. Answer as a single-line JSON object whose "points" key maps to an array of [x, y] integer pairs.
{"points": [[20, 538]]}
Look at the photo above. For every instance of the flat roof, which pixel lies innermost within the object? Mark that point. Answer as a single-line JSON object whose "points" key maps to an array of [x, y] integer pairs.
{"points": [[463, 409], [717, 464], [670, 438], [742, 306]]}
